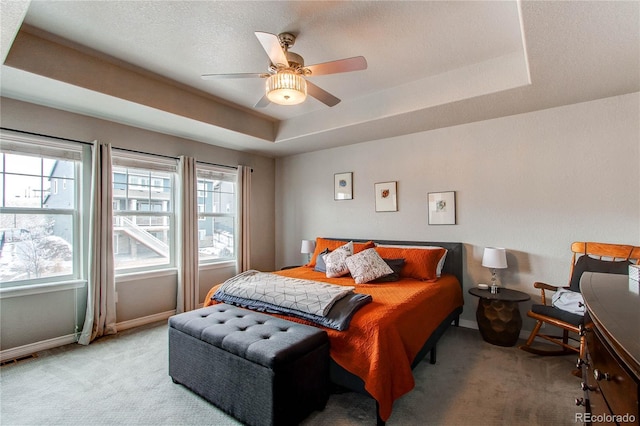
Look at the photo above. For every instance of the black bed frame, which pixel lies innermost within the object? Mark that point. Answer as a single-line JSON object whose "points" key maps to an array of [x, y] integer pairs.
{"points": [[453, 265]]}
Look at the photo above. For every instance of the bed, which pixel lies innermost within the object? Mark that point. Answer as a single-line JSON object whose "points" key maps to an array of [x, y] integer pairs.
{"points": [[404, 320]]}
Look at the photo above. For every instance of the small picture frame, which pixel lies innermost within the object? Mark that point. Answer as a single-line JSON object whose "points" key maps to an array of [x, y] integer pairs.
{"points": [[343, 186], [442, 208], [386, 196]]}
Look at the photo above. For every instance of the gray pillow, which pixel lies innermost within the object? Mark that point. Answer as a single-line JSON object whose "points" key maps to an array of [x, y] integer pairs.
{"points": [[396, 265], [320, 265]]}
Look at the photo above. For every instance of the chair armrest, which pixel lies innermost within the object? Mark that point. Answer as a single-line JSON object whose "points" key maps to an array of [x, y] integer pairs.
{"points": [[543, 287]]}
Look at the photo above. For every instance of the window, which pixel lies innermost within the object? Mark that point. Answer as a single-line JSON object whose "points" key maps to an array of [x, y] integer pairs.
{"points": [[144, 212], [40, 224], [217, 214]]}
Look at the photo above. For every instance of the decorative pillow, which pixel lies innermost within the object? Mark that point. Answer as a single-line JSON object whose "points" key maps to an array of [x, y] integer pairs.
{"points": [[420, 264], [440, 262], [320, 265], [336, 260], [442, 259], [396, 265], [590, 264], [367, 266], [325, 243]]}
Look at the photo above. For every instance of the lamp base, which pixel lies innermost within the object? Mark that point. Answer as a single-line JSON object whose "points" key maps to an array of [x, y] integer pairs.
{"points": [[494, 283]]}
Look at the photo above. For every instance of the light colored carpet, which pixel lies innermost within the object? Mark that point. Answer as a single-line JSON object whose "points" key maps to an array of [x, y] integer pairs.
{"points": [[123, 380]]}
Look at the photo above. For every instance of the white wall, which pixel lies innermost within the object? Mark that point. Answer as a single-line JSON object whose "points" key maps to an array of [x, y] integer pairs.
{"points": [[531, 183], [48, 315]]}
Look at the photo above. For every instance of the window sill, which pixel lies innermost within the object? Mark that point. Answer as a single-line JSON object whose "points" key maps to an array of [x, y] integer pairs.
{"points": [[217, 265], [136, 276], [27, 290]]}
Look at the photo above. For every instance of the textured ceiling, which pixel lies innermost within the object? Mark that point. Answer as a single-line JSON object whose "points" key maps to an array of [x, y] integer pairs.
{"points": [[430, 64]]}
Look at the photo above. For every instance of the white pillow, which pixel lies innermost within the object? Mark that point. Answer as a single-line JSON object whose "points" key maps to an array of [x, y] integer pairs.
{"points": [[335, 260], [440, 262], [367, 266]]}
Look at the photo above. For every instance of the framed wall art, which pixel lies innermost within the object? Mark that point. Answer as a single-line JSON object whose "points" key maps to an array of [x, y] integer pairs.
{"points": [[343, 186], [386, 196], [442, 208]]}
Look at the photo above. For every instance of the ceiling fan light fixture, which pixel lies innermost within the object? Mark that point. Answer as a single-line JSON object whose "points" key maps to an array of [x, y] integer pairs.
{"points": [[286, 87]]}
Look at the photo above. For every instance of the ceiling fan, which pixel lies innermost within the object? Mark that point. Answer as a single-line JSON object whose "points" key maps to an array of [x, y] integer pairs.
{"points": [[286, 75]]}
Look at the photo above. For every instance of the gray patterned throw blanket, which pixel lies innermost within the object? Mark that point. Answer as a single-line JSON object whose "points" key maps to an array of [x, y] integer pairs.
{"points": [[312, 297]]}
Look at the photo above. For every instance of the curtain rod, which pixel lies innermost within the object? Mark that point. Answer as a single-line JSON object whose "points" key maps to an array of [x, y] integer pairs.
{"points": [[121, 149], [220, 165], [176, 158]]}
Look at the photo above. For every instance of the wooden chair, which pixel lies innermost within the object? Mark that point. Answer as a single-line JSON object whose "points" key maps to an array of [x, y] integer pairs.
{"points": [[587, 257]]}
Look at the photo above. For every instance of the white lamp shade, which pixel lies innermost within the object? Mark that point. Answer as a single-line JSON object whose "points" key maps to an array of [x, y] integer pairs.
{"points": [[494, 257], [308, 246]]}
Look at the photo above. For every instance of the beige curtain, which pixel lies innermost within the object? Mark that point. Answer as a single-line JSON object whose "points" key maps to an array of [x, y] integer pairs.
{"points": [[244, 199], [100, 317], [188, 287]]}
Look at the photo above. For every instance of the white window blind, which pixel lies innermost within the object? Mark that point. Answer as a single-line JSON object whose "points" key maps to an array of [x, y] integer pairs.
{"points": [[39, 146], [144, 161]]}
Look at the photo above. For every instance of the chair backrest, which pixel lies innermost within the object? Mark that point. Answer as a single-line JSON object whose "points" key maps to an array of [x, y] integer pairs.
{"points": [[602, 251]]}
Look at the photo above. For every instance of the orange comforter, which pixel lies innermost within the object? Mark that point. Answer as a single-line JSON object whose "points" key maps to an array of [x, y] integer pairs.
{"points": [[385, 335]]}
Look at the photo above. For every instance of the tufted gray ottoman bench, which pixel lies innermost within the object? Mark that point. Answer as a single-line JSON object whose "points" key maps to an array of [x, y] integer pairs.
{"points": [[260, 369]]}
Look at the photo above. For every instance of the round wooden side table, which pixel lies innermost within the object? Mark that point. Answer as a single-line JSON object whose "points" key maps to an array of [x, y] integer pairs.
{"points": [[498, 316]]}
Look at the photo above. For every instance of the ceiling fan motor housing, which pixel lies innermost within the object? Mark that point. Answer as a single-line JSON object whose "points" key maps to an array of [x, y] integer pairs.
{"points": [[295, 60], [286, 40]]}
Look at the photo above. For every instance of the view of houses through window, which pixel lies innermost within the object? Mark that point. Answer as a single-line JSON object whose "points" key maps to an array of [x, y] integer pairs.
{"points": [[41, 212], [143, 217], [217, 206], [39, 217]]}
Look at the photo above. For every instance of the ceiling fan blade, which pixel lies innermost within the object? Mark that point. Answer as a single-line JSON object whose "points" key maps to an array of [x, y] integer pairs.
{"points": [[238, 75], [271, 44], [342, 65], [321, 95], [263, 102]]}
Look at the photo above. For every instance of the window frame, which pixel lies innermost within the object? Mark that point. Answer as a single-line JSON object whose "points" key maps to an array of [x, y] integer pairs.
{"points": [[58, 150], [201, 191], [123, 159]]}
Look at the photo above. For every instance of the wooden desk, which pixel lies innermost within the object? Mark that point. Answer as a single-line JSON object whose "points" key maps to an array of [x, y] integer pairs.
{"points": [[611, 372]]}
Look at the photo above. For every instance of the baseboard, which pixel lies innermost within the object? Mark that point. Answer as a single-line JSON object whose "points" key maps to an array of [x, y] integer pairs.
{"points": [[468, 324], [125, 325], [32, 348], [524, 334], [26, 350]]}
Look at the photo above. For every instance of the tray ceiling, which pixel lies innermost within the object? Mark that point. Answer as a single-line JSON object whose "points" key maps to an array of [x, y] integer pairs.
{"points": [[430, 64]]}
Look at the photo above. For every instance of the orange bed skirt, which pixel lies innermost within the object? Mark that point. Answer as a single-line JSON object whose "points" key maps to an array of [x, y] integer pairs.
{"points": [[385, 335]]}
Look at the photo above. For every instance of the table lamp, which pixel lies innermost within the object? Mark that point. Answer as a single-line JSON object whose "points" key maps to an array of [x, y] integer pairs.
{"points": [[308, 247], [494, 258]]}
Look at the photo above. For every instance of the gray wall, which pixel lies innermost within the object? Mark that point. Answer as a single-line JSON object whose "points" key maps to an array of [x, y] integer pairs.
{"points": [[137, 298], [531, 183]]}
